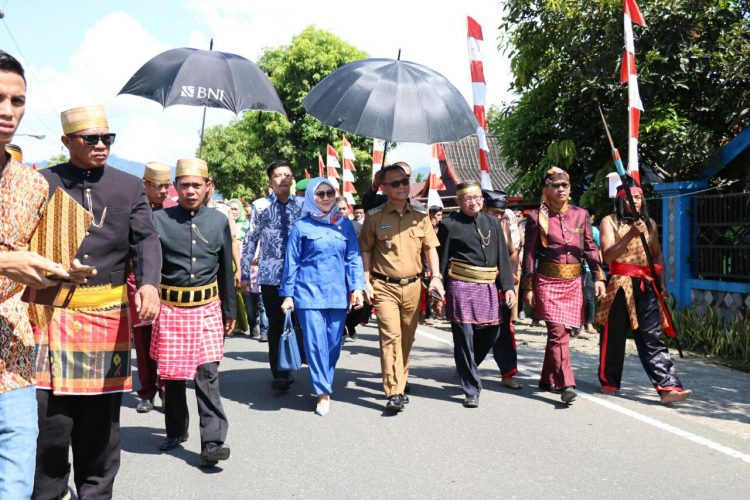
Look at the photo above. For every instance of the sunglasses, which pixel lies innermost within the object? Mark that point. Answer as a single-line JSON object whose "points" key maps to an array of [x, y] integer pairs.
{"points": [[396, 184], [558, 185], [325, 194], [93, 139]]}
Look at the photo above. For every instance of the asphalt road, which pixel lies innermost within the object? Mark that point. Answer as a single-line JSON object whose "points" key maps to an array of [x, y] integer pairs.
{"points": [[517, 444]]}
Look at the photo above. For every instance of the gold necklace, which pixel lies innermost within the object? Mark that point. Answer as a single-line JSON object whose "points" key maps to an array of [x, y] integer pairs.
{"points": [[485, 240]]}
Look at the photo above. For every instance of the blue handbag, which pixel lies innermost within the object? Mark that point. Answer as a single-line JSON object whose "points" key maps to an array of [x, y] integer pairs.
{"points": [[289, 357]]}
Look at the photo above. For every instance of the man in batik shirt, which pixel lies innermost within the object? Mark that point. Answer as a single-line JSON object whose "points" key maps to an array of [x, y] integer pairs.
{"points": [[271, 231], [24, 194]]}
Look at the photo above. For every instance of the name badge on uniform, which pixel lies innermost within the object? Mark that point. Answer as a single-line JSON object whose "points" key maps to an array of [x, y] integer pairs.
{"points": [[385, 226]]}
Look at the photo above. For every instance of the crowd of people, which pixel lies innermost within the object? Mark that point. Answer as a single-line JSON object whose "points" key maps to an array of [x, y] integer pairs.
{"points": [[178, 276]]}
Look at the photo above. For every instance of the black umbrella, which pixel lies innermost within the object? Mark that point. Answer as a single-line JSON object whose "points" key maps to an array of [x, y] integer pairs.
{"points": [[210, 78], [398, 101]]}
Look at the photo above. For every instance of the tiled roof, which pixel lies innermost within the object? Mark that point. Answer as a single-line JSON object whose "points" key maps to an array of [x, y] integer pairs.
{"points": [[463, 155]]}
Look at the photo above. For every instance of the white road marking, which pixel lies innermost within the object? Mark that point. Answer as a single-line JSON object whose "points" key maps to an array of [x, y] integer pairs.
{"points": [[632, 414]]}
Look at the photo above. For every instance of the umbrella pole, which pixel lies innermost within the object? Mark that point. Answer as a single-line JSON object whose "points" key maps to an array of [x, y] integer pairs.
{"points": [[203, 123], [203, 126]]}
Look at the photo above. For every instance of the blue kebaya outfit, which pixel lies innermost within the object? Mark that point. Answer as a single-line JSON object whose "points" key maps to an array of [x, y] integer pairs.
{"points": [[323, 266]]}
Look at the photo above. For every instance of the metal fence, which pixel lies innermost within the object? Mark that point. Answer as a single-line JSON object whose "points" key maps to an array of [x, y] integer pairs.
{"points": [[721, 246]]}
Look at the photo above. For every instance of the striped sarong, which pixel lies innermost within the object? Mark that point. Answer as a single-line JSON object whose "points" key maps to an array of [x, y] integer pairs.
{"points": [[184, 338], [559, 300], [474, 303]]}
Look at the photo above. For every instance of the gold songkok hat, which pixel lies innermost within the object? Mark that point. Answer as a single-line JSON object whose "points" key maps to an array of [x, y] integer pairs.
{"points": [[83, 118], [468, 187], [156, 172], [14, 152], [191, 166]]}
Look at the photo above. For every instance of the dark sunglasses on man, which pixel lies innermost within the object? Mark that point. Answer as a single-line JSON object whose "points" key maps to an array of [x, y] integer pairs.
{"points": [[92, 140], [396, 184]]}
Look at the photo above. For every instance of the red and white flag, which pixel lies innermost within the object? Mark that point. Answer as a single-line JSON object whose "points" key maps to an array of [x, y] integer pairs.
{"points": [[435, 180], [629, 75], [347, 154], [378, 153], [321, 166], [479, 89], [333, 167], [307, 174]]}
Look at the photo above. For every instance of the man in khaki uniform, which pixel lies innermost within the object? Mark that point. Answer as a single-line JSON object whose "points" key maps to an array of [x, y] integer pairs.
{"points": [[392, 240]]}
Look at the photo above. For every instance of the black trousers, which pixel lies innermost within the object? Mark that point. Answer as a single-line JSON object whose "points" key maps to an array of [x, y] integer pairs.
{"points": [[651, 348], [504, 348], [91, 426], [272, 301], [470, 346], [213, 420]]}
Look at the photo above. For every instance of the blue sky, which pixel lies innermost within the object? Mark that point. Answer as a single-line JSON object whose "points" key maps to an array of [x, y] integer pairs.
{"points": [[82, 52]]}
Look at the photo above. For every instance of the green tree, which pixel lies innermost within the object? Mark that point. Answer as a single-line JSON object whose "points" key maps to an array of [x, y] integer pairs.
{"points": [[693, 63], [56, 160], [238, 153]]}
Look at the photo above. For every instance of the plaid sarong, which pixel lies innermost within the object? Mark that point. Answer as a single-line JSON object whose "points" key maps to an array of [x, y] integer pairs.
{"points": [[474, 303], [82, 353], [184, 338], [559, 300]]}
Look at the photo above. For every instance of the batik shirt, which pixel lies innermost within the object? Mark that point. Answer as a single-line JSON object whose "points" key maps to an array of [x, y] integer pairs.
{"points": [[270, 230], [23, 193]]}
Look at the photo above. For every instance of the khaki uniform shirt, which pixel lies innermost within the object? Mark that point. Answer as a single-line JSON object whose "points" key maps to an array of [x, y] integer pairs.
{"points": [[396, 242]]}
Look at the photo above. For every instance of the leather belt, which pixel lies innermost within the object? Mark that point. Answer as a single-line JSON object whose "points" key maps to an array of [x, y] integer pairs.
{"points": [[189, 296], [395, 281]]}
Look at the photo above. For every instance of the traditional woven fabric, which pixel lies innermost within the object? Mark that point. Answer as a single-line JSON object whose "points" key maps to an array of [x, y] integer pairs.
{"points": [[474, 303], [84, 352], [559, 300], [184, 338], [635, 254], [23, 194]]}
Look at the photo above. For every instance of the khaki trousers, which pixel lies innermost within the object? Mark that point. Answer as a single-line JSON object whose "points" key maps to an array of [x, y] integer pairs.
{"points": [[397, 308]]}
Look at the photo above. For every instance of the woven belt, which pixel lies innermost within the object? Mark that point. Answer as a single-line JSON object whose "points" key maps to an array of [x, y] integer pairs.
{"points": [[189, 296], [395, 281], [473, 274], [97, 298], [563, 271]]}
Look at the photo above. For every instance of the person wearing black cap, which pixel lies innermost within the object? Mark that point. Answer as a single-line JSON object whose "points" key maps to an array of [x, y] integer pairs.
{"points": [[558, 239], [504, 350], [475, 259]]}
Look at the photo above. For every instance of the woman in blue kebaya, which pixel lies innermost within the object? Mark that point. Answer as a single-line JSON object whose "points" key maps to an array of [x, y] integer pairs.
{"points": [[323, 275]]}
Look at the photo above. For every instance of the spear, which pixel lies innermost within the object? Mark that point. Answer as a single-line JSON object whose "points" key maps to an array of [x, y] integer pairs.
{"points": [[627, 182]]}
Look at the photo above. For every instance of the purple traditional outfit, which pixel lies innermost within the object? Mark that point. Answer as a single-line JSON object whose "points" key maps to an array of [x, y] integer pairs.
{"points": [[472, 253], [556, 244]]}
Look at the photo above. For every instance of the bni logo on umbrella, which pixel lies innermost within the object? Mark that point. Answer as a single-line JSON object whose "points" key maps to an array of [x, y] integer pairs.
{"points": [[202, 92]]}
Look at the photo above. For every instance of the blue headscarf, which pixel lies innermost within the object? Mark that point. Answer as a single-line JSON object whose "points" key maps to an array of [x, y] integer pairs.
{"points": [[309, 208]]}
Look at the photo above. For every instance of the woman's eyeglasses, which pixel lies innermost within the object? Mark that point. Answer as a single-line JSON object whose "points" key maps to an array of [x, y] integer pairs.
{"points": [[325, 194], [558, 185], [93, 139], [396, 184]]}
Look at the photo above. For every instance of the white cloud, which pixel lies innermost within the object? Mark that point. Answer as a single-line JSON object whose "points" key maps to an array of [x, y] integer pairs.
{"points": [[432, 33]]}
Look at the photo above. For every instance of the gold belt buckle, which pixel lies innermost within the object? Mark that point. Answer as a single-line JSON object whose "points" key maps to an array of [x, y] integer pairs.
{"points": [[404, 281]]}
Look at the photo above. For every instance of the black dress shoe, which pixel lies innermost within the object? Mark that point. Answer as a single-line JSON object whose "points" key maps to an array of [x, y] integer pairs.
{"points": [[170, 443], [212, 453], [471, 402], [280, 384], [395, 403], [405, 399]]}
